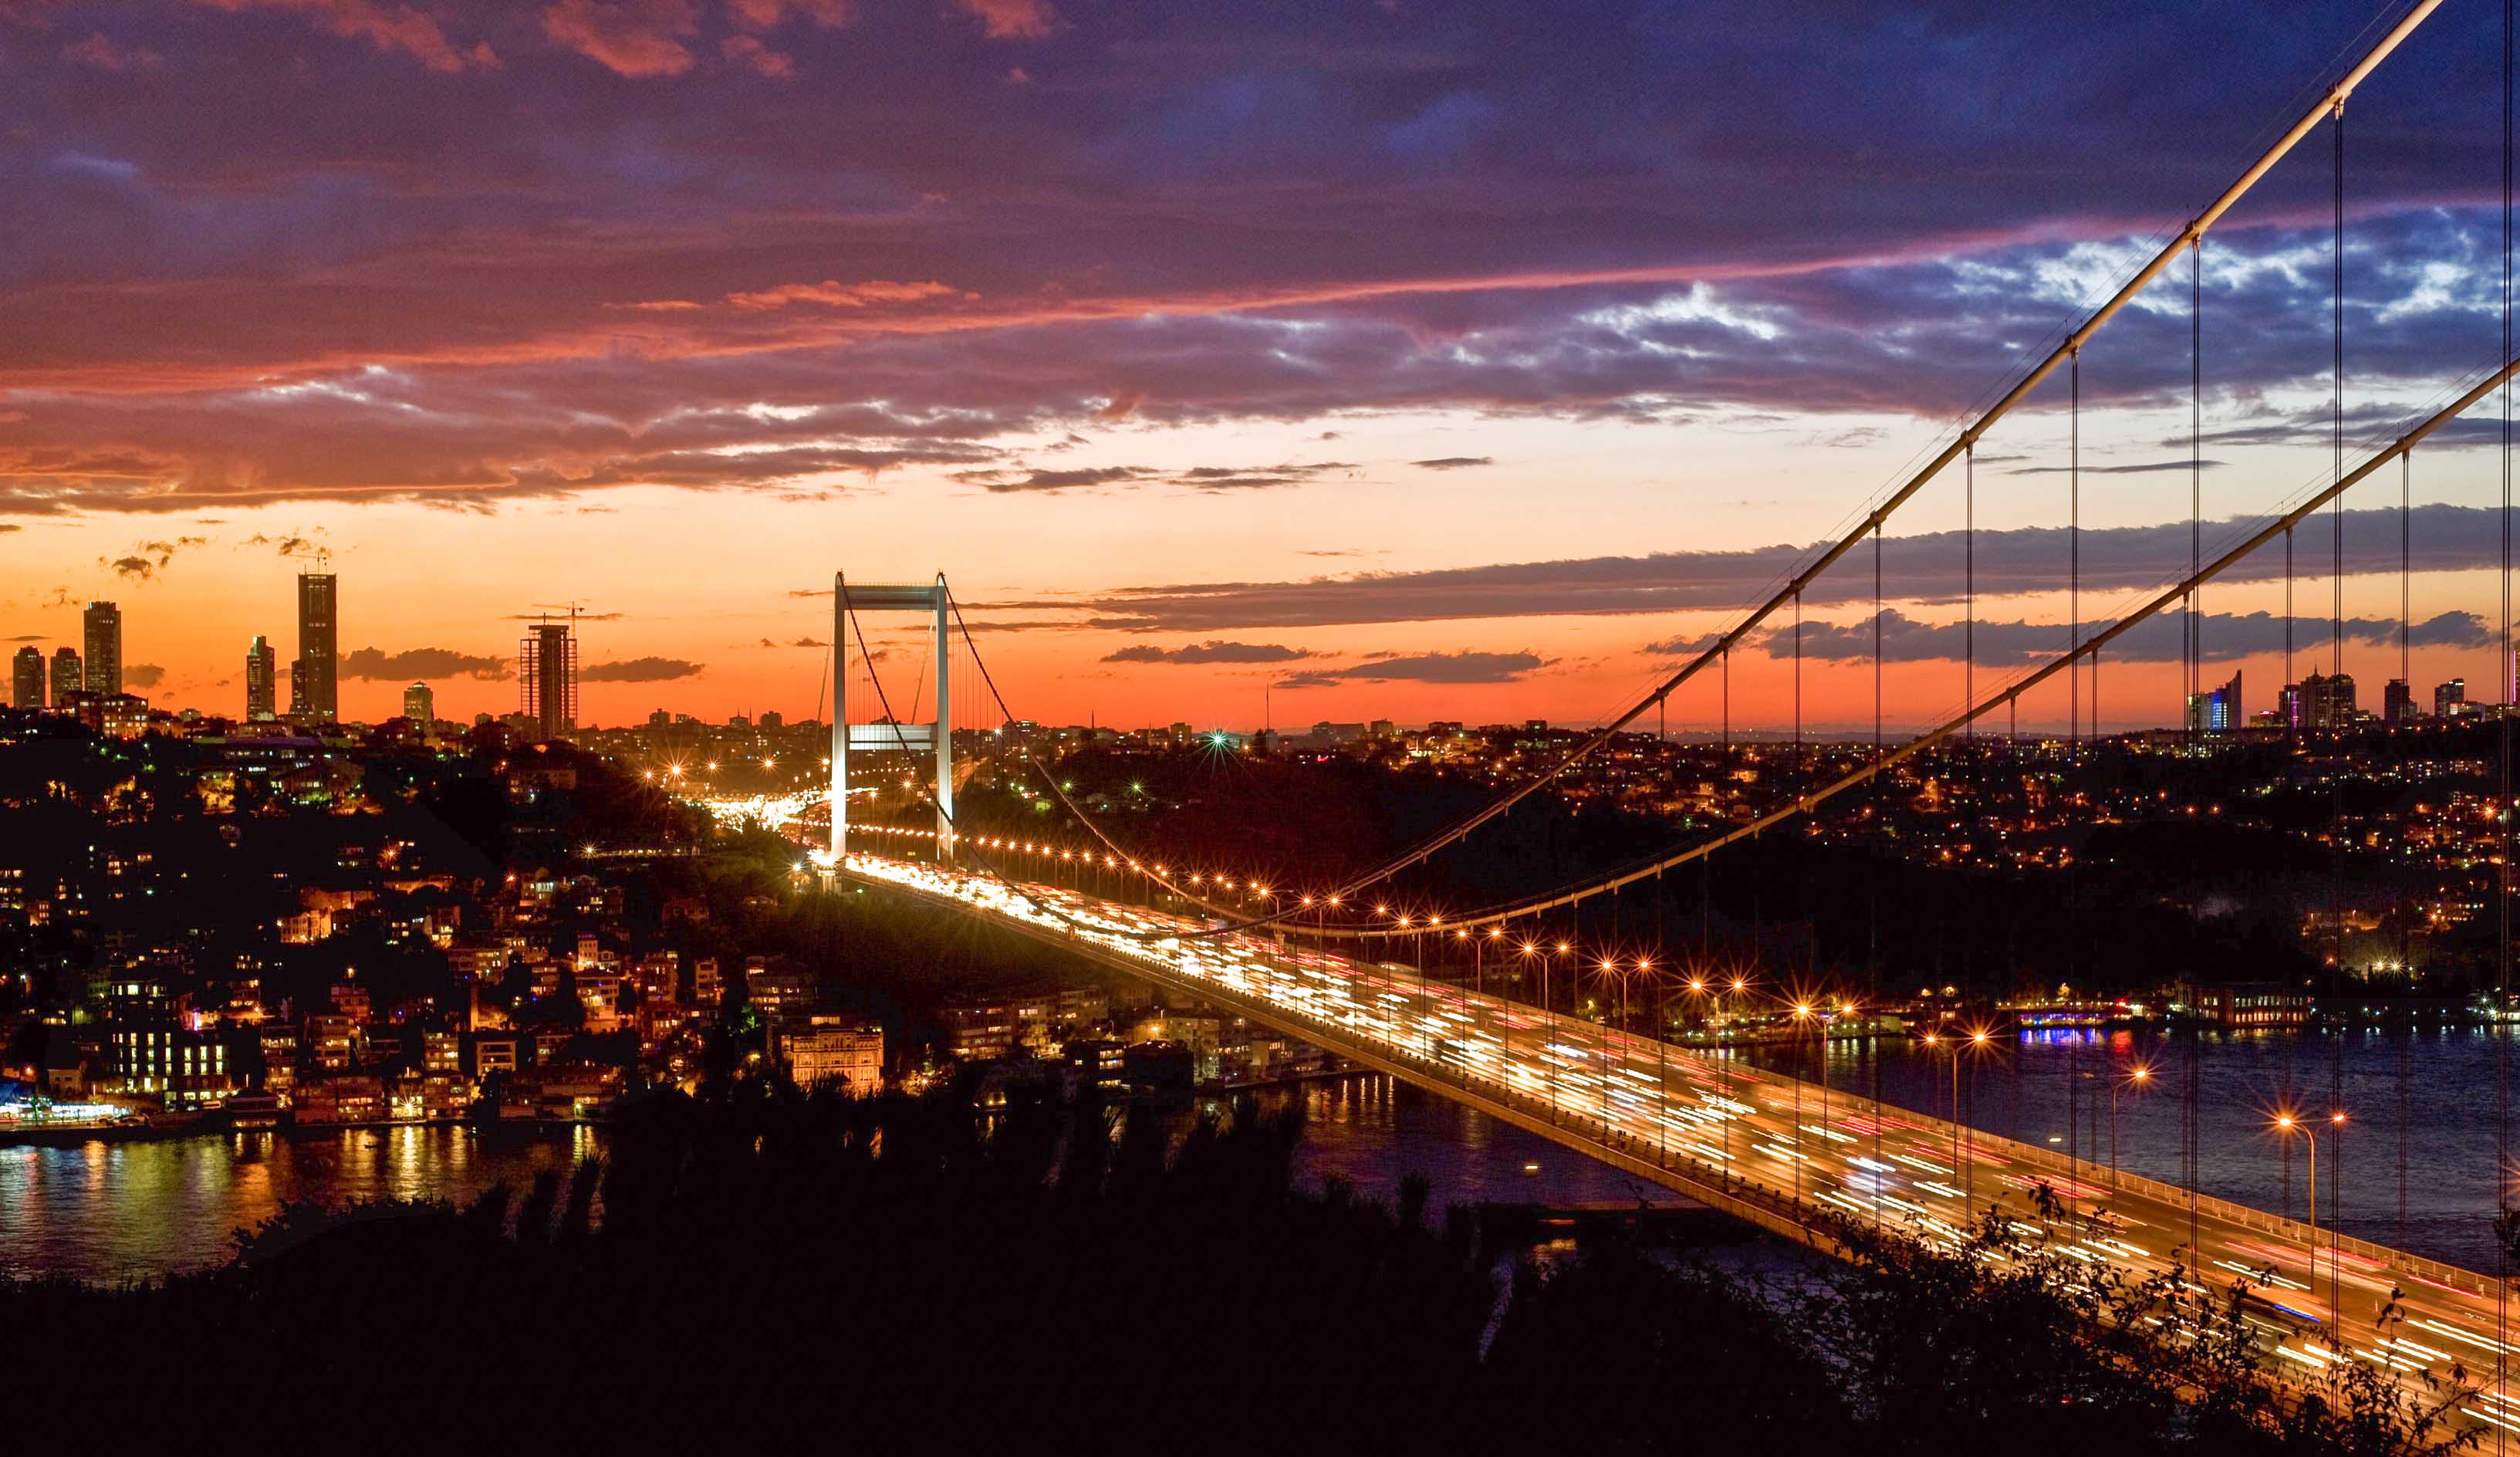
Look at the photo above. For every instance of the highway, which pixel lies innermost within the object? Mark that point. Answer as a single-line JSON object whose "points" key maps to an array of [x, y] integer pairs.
{"points": [[1777, 1150]]}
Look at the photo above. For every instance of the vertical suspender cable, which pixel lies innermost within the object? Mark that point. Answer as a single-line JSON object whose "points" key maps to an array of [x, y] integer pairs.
{"points": [[2336, 427], [2196, 477], [2074, 549], [1969, 579], [2503, 866], [2336, 669]]}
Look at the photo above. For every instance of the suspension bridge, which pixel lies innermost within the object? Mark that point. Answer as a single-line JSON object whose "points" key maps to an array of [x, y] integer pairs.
{"points": [[1794, 1155]]}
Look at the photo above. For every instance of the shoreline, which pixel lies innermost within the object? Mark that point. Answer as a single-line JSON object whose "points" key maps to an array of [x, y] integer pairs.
{"points": [[120, 1133]]}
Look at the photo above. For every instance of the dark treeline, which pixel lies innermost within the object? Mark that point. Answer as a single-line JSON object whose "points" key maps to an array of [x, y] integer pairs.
{"points": [[765, 1264]]}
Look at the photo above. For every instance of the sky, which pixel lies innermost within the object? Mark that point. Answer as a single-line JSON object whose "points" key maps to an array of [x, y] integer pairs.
{"points": [[1268, 361]]}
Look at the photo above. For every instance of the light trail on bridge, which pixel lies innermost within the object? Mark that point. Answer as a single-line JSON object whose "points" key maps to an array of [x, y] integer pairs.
{"points": [[1798, 1151]]}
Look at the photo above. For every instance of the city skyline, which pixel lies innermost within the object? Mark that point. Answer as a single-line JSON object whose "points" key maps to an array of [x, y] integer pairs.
{"points": [[1179, 464]]}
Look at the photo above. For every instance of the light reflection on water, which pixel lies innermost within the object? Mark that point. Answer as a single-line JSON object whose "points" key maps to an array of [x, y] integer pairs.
{"points": [[107, 1210], [112, 1211], [116, 1210], [2054, 1087]]}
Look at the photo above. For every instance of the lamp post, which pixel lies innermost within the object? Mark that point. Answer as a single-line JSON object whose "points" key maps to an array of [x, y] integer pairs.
{"points": [[1549, 1021], [2136, 1077], [1802, 1013], [2285, 1124]]}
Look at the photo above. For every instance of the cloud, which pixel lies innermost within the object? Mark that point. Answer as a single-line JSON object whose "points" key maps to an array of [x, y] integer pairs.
{"points": [[386, 26], [1211, 651], [134, 568], [1011, 20], [143, 674], [835, 295], [1225, 214], [638, 671], [2014, 643], [636, 38], [1057, 481], [2139, 468], [100, 51], [287, 546], [748, 51], [412, 663], [1930, 568], [1196, 478], [1454, 461], [1454, 668]]}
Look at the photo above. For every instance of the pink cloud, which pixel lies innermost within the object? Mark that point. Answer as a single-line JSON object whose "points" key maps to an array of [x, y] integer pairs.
{"points": [[745, 50], [839, 295], [635, 38], [100, 51], [395, 27], [763, 15], [1012, 20]]}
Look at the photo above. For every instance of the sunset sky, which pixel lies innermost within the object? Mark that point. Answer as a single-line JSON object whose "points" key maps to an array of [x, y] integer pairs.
{"points": [[1389, 358]]}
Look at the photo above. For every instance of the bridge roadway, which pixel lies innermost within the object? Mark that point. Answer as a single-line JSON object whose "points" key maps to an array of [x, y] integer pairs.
{"points": [[1774, 1150]]}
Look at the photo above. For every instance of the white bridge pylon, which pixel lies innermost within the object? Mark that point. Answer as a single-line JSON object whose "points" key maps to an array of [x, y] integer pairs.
{"points": [[935, 738]]}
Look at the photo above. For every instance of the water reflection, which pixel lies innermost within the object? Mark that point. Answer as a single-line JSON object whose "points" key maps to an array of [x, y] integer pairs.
{"points": [[2412, 1167]]}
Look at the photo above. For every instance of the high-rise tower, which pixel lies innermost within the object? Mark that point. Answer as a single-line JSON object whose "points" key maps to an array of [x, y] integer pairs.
{"points": [[261, 681], [104, 647], [68, 679], [318, 624], [26, 679], [547, 678]]}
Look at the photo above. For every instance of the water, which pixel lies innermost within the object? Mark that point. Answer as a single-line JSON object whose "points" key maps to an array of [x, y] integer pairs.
{"points": [[105, 1210], [112, 1211], [2053, 1088]]}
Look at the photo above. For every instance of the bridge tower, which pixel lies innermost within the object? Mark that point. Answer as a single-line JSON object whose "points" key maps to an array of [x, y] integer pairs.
{"points": [[934, 738]]}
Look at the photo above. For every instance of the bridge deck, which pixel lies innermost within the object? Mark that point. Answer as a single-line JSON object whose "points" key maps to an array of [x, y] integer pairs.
{"points": [[1773, 1150]]}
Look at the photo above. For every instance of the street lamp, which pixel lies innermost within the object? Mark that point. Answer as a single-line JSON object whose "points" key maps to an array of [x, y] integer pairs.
{"points": [[2285, 1124], [2136, 1077]]}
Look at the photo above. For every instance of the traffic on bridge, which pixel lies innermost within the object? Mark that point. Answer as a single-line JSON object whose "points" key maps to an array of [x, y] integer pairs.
{"points": [[1806, 1157]]}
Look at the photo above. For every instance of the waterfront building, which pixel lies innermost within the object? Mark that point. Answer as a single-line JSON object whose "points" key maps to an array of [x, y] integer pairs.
{"points": [[834, 1049], [2247, 1006]]}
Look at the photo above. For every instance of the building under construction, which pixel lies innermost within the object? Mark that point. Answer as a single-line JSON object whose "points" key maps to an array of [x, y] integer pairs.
{"points": [[546, 679]]}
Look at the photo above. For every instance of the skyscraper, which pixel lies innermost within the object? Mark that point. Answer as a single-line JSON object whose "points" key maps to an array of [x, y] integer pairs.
{"points": [[2217, 711], [319, 609], [26, 679], [419, 705], [104, 647], [261, 681], [547, 678], [2398, 701], [67, 678], [2450, 700]]}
